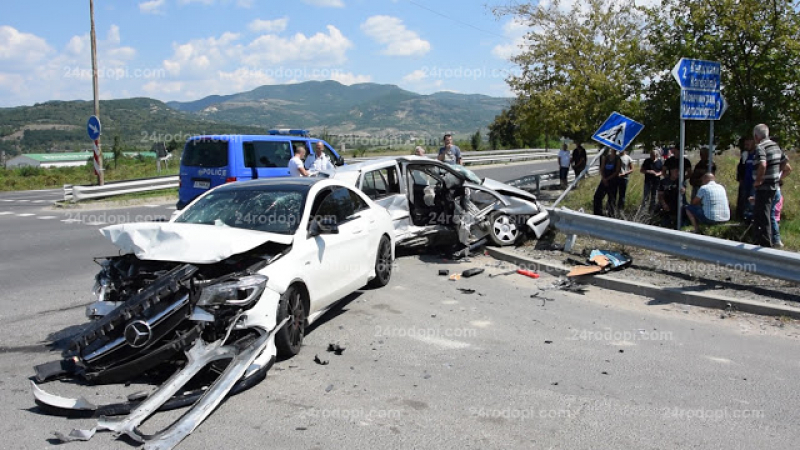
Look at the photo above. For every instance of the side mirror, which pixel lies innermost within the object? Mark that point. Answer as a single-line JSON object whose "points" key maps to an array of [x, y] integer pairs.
{"points": [[323, 225], [339, 161]]}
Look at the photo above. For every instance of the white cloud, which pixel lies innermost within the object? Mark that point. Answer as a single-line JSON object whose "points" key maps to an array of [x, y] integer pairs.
{"points": [[152, 7], [514, 30], [320, 49], [394, 36], [348, 78], [325, 3], [268, 26], [20, 51], [416, 75]]}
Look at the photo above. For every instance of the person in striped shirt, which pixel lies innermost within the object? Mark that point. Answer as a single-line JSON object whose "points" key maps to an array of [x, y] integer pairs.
{"points": [[771, 165]]}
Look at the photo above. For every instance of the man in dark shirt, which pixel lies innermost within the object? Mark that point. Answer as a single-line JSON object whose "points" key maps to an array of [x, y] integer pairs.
{"points": [[668, 191], [578, 159], [700, 169], [651, 168], [744, 175], [770, 166]]}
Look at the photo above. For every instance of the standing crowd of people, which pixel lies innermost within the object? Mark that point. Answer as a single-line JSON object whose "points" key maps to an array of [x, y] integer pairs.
{"points": [[760, 174]]}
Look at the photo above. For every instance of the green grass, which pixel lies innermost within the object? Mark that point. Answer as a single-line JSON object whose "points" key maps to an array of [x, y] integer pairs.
{"points": [[26, 178], [582, 197]]}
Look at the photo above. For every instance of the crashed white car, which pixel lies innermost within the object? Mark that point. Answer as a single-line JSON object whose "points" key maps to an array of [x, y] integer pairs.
{"points": [[428, 199], [232, 280]]}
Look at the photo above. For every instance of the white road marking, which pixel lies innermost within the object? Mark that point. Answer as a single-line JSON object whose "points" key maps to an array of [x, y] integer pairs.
{"points": [[46, 217], [481, 323], [441, 342], [38, 201], [71, 220], [5, 213], [95, 223], [6, 200], [719, 360], [26, 215], [23, 201], [151, 206]]}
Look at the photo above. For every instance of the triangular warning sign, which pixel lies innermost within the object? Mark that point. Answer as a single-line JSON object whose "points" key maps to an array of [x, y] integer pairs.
{"points": [[615, 134]]}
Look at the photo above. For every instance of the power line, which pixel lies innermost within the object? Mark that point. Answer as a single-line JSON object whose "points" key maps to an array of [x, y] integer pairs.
{"points": [[457, 20]]}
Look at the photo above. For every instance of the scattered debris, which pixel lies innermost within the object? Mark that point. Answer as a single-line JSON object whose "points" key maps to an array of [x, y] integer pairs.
{"points": [[336, 349], [455, 277], [621, 351], [427, 376], [444, 272], [503, 273], [466, 291], [471, 272], [555, 383], [528, 273], [75, 435], [603, 261], [320, 361], [329, 388], [604, 372], [548, 342]]}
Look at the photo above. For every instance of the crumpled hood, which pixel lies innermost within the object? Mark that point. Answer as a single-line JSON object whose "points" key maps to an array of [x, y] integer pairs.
{"points": [[498, 186], [186, 242]]}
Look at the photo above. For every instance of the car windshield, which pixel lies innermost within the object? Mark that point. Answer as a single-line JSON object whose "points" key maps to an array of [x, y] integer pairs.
{"points": [[274, 211], [468, 174]]}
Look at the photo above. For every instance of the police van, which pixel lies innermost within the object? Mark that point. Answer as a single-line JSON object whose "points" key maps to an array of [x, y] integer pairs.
{"points": [[211, 160]]}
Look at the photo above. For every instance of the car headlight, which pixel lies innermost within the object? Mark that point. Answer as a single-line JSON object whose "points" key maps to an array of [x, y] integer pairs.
{"points": [[241, 292]]}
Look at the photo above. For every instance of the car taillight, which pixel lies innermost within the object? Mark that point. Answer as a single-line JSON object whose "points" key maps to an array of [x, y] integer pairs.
{"points": [[230, 179]]}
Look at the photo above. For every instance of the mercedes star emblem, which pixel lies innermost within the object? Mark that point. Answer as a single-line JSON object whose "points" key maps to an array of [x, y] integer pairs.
{"points": [[138, 334]]}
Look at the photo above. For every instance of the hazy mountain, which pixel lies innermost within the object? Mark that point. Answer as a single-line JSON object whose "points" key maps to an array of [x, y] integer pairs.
{"points": [[366, 108]]}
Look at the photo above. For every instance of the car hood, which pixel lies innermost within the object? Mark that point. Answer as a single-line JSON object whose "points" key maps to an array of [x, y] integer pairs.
{"points": [[498, 186], [186, 242]]}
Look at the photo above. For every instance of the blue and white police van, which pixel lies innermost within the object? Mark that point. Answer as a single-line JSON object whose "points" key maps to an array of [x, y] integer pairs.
{"points": [[211, 160]]}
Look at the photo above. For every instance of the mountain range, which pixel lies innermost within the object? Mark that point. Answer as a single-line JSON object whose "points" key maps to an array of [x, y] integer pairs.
{"points": [[378, 110]]}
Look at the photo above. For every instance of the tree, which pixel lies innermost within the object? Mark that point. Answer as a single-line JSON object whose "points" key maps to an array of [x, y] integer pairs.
{"points": [[475, 140], [757, 43], [116, 150], [579, 65]]}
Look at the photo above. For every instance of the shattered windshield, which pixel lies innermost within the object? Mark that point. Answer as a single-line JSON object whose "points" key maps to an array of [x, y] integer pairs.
{"points": [[277, 211], [468, 174]]}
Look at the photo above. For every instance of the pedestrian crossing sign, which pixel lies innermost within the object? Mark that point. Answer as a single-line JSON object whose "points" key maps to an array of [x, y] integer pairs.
{"points": [[617, 131]]}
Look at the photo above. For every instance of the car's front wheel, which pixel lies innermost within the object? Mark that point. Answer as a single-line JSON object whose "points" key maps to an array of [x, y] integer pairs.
{"points": [[503, 229], [289, 339], [383, 264]]}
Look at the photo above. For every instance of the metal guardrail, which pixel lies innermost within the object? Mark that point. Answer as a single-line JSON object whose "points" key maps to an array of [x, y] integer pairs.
{"points": [[78, 193], [483, 159], [733, 255]]}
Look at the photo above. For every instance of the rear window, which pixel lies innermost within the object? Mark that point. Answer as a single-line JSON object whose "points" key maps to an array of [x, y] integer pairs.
{"points": [[267, 154], [205, 153]]}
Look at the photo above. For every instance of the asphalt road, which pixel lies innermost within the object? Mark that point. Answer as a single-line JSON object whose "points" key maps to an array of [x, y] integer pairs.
{"points": [[428, 366]]}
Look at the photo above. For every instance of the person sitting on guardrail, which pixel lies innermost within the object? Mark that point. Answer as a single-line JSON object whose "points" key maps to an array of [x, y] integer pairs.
{"points": [[609, 172], [710, 206], [296, 168]]}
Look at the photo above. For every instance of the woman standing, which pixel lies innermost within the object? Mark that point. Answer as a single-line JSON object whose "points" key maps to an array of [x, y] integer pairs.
{"points": [[609, 179]]}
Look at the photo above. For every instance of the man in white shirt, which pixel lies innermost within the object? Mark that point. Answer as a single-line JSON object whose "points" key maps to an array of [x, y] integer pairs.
{"points": [[318, 161], [563, 165], [296, 168], [710, 206]]}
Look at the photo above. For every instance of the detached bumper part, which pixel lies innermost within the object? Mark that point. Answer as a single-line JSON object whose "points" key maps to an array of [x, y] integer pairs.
{"points": [[539, 223]]}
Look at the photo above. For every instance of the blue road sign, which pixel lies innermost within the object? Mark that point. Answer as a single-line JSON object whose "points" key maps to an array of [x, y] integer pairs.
{"points": [[697, 74], [617, 131], [93, 127], [702, 105]]}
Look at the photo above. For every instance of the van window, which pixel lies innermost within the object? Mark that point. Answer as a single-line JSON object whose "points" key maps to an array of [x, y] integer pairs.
{"points": [[267, 154], [205, 153]]}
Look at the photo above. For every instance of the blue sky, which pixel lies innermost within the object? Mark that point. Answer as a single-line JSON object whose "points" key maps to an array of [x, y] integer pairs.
{"points": [[188, 49]]}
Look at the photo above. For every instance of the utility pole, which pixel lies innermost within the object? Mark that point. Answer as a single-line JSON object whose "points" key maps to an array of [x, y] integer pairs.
{"points": [[98, 154]]}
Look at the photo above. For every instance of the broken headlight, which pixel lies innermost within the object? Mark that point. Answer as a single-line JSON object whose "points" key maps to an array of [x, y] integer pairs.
{"points": [[241, 292]]}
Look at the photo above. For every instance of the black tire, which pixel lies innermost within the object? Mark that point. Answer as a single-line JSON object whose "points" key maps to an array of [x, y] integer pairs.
{"points": [[504, 229], [289, 339], [383, 264]]}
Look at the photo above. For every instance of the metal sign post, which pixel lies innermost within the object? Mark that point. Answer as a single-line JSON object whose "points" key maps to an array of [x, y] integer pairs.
{"points": [[700, 83], [98, 154]]}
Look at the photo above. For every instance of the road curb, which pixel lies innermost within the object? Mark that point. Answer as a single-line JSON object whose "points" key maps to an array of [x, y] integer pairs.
{"points": [[662, 294]]}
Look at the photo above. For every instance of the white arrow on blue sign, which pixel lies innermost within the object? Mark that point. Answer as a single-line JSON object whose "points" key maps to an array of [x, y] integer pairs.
{"points": [[93, 127], [702, 105], [697, 74], [617, 131]]}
